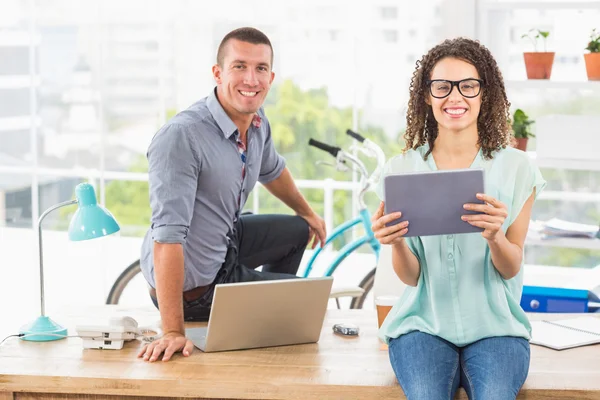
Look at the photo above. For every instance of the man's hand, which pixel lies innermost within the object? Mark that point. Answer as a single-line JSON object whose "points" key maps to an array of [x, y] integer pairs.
{"points": [[170, 343], [494, 214], [316, 228]]}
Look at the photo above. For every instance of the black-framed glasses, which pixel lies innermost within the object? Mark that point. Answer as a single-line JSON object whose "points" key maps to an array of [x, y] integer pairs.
{"points": [[440, 88]]}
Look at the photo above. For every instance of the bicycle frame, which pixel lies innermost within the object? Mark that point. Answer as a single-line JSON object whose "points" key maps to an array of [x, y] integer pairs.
{"points": [[365, 219]]}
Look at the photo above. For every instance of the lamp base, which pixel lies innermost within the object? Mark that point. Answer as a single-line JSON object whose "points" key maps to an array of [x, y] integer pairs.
{"points": [[43, 329]]}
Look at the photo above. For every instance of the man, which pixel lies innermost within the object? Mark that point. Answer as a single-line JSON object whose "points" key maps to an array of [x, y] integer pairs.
{"points": [[202, 166]]}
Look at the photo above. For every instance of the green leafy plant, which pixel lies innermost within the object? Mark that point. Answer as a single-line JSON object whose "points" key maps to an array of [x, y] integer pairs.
{"points": [[534, 35], [594, 44], [521, 125]]}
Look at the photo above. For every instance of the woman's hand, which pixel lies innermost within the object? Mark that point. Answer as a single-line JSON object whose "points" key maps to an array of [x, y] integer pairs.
{"points": [[388, 235], [494, 214]]}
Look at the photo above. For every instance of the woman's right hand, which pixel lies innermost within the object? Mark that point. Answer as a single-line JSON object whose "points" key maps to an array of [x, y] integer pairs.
{"points": [[388, 235]]}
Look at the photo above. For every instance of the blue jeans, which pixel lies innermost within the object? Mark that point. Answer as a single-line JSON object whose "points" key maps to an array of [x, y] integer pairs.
{"points": [[431, 368]]}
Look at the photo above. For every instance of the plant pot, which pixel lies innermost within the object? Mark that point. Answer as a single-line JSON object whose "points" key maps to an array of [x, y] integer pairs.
{"points": [[539, 64], [592, 66], [520, 143]]}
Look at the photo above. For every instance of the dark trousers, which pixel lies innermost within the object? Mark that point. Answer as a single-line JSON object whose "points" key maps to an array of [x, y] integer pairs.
{"points": [[276, 242]]}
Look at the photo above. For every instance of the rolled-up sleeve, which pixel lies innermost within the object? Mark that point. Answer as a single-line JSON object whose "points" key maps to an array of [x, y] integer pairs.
{"points": [[173, 168], [272, 163]]}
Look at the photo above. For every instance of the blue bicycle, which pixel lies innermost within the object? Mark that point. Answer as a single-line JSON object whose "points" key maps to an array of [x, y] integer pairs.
{"points": [[343, 160]]}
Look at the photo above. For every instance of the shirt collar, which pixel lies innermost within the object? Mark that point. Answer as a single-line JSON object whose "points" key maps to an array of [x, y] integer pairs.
{"points": [[225, 123], [476, 163]]}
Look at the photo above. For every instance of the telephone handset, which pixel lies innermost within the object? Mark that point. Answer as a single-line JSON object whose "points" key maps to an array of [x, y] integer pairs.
{"points": [[113, 335]]}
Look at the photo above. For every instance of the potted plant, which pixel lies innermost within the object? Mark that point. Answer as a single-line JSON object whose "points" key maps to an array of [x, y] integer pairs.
{"points": [[538, 63], [521, 129], [592, 59]]}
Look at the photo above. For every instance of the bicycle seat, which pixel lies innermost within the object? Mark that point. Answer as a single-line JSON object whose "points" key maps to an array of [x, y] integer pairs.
{"points": [[347, 291]]}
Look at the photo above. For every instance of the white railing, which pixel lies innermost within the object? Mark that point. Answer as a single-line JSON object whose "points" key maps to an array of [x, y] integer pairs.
{"points": [[97, 178], [329, 185]]}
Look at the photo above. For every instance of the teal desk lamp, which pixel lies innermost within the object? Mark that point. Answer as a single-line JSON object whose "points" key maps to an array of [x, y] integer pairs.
{"points": [[90, 221]]}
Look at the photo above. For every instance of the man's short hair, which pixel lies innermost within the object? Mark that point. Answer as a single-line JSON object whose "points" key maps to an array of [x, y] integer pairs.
{"points": [[246, 34]]}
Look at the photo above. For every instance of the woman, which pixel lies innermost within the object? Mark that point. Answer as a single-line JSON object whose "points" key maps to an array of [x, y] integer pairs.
{"points": [[459, 322]]}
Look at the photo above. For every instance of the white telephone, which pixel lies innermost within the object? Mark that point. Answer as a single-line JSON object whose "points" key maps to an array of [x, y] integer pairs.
{"points": [[115, 334]]}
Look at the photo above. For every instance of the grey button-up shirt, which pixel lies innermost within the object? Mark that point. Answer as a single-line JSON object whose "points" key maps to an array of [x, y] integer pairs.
{"points": [[195, 178]]}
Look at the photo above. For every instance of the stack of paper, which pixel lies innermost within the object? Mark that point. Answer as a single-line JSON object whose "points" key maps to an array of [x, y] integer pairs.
{"points": [[559, 228], [567, 333]]}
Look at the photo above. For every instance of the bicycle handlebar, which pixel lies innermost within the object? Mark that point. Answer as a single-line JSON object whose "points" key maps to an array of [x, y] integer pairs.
{"points": [[367, 147], [372, 150], [380, 156], [333, 150], [355, 135]]}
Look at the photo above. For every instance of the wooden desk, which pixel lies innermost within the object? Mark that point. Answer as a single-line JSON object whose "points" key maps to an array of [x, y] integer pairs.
{"points": [[335, 368]]}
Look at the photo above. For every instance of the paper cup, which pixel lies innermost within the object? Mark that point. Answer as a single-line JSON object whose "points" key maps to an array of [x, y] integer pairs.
{"points": [[384, 304]]}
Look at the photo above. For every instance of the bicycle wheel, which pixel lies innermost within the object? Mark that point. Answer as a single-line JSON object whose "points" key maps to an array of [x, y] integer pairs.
{"points": [[122, 281], [367, 285]]}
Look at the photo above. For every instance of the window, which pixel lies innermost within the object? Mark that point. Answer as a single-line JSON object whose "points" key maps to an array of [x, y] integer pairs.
{"points": [[572, 193], [15, 102], [388, 13], [104, 86], [390, 36], [15, 60]]}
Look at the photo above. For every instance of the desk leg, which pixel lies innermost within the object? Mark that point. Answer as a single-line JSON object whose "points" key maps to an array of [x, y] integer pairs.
{"points": [[6, 396]]}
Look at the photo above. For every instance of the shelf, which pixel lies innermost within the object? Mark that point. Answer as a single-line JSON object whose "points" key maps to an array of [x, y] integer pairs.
{"points": [[540, 5], [538, 84], [573, 243], [579, 197], [563, 163], [563, 277]]}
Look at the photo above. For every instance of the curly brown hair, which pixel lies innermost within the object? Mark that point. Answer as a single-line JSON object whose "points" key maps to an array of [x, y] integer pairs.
{"points": [[493, 122]]}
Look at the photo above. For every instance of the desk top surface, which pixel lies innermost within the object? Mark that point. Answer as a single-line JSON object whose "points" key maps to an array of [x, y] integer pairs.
{"points": [[346, 367]]}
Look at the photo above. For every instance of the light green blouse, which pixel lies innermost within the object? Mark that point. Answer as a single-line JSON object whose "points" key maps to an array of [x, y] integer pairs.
{"points": [[460, 296]]}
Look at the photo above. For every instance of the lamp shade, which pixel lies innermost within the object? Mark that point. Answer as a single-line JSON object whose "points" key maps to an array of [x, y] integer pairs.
{"points": [[90, 220]]}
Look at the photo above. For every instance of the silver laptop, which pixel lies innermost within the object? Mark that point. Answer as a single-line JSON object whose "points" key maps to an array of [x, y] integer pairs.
{"points": [[432, 202], [249, 315]]}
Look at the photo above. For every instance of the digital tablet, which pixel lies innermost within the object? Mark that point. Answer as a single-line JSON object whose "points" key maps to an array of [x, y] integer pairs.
{"points": [[432, 202]]}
